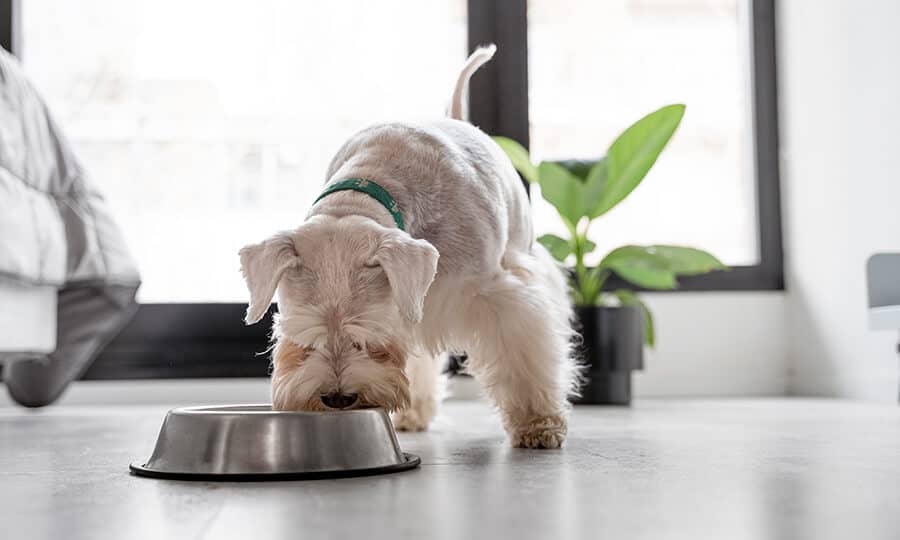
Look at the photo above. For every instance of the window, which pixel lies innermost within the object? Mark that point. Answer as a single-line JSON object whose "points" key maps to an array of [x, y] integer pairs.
{"points": [[209, 125], [596, 67], [556, 46]]}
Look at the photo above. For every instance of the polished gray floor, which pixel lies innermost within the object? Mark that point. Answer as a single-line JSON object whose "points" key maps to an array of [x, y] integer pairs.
{"points": [[760, 469]]}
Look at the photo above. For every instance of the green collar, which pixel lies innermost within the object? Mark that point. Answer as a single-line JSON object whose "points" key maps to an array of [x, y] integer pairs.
{"points": [[371, 189]]}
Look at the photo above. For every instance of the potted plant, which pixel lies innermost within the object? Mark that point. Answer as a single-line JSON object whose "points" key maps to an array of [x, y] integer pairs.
{"points": [[614, 324]]}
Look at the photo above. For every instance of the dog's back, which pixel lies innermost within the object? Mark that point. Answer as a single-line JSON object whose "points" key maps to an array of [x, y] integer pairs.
{"points": [[451, 181]]}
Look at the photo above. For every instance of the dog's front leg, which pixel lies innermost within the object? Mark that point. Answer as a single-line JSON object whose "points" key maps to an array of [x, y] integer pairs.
{"points": [[424, 374]]}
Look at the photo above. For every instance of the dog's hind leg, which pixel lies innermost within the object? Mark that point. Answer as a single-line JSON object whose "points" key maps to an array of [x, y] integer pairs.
{"points": [[521, 350], [425, 387]]}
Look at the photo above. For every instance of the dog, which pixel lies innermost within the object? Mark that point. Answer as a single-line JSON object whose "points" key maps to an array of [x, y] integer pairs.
{"points": [[422, 243]]}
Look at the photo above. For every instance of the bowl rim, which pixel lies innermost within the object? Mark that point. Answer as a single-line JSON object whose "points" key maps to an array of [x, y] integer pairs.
{"points": [[257, 409]]}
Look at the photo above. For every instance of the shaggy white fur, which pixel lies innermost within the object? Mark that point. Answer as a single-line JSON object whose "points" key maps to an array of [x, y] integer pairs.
{"points": [[366, 309]]}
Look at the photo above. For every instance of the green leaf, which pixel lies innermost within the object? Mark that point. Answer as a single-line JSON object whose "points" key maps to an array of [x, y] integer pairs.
{"points": [[641, 267], [688, 261], [634, 152], [519, 157], [595, 185], [558, 247], [655, 267], [589, 246], [628, 298], [580, 168], [584, 186], [562, 190]]}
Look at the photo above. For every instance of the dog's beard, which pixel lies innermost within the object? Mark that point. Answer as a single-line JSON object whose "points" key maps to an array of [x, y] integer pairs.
{"points": [[357, 349], [370, 367]]}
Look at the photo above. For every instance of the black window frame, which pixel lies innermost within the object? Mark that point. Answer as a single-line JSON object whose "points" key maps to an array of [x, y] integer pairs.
{"points": [[9, 26], [189, 340]]}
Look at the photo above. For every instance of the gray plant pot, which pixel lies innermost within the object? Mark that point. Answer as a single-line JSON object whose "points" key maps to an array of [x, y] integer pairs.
{"points": [[612, 346]]}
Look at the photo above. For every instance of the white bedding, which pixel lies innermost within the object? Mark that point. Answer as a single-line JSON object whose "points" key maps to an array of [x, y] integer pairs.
{"points": [[27, 318]]}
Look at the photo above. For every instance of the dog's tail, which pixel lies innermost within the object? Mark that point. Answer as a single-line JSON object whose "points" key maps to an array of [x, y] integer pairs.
{"points": [[476, 60]]}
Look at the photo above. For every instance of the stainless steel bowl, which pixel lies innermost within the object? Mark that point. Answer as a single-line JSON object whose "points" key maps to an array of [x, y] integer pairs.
{"points": [[253, 442]]}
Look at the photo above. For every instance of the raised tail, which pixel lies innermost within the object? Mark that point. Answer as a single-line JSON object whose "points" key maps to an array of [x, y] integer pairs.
{"points": [[476, 60]]}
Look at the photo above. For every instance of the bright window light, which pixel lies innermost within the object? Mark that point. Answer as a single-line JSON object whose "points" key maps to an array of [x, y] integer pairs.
{"points": [[209, 124], [596, 67]]}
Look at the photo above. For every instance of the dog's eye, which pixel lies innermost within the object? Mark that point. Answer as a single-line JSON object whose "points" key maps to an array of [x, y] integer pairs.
{"points": [[357, 346], [378, 354]]}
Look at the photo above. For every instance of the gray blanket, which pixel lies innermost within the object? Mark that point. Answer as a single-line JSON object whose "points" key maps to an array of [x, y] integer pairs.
{"points": [[55, 230]]}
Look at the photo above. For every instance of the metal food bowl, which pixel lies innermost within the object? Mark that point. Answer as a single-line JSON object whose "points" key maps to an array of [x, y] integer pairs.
{"points": [[253, 442]]}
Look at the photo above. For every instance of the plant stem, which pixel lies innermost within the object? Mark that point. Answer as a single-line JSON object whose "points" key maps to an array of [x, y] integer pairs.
{"points": [[580, 268]]}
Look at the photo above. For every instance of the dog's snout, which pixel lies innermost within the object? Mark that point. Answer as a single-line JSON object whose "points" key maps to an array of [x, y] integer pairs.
{"points": [[337, 400]]}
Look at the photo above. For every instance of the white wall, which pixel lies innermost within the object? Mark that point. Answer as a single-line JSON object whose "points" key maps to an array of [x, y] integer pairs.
{"points": [[716, 344], [840, 113]]}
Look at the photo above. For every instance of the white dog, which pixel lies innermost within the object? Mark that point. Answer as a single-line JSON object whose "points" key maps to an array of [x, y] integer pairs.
{"points": [[421, 243]]}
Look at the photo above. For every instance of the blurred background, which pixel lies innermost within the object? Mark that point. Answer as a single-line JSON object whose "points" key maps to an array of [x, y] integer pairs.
{"points": [[226, 137], [211, 129]]}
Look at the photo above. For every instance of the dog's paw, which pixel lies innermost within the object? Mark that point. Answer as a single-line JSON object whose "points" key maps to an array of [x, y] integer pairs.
{"points": [[542, 432], [411, 419]]}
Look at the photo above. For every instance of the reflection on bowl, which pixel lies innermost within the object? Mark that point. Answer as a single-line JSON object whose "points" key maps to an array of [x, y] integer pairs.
{"points": [[253, 442]]}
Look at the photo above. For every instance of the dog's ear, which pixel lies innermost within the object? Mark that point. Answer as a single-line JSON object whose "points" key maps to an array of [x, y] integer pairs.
{"points": [[410, 265], [263, 265]]}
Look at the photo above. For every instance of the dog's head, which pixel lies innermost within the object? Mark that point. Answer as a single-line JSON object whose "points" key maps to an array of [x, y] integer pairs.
{"points": [[349, 291]]}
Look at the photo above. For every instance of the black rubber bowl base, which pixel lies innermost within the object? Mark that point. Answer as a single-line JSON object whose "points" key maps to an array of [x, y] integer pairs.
{"points": [[411, 462]]}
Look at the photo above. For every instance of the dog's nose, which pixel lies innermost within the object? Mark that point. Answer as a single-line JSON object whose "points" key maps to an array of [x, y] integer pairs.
{"points": [[337, 400]]}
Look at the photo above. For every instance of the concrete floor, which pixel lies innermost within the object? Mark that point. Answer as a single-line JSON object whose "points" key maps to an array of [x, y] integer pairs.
{"points": [[761, 469]]}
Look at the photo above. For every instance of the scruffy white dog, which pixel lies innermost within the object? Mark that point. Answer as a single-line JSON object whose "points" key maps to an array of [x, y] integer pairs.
{"points": [[421, 243]]}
